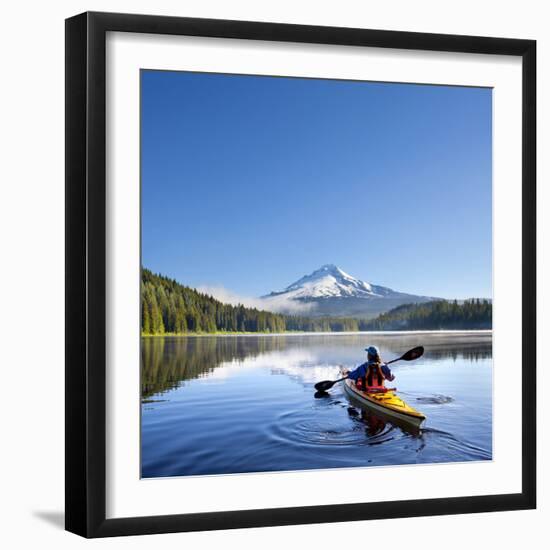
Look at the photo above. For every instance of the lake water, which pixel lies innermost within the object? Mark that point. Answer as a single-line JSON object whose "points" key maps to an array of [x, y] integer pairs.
{"points": [[234, 404]]}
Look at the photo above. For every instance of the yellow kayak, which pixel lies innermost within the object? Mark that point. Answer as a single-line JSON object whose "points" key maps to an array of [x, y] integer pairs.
{"points": [[387, 402]]}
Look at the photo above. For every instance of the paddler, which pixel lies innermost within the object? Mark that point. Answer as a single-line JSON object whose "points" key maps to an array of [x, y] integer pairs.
{"points": [[372, 374]]}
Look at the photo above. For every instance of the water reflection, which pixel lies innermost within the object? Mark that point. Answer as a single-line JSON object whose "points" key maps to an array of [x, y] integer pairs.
{"points": [[167, 361], [233, 404], [376, 422]]}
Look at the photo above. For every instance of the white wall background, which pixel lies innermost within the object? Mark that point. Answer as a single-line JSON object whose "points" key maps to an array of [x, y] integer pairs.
{"points": [[32, 269]]}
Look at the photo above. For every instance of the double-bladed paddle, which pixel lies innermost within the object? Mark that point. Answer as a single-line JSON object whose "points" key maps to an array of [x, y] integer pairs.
{"points": [[410, 355]]}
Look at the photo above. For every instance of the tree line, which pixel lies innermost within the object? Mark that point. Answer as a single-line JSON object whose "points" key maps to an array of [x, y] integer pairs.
{"points": [[436, 315], [169, 307]]}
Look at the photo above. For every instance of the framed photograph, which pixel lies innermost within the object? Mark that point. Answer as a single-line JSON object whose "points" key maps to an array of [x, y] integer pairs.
{"points": [[300, 274]]}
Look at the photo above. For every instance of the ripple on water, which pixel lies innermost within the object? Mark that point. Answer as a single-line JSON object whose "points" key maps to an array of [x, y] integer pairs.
{"points": [[429, 399], [304, 427], [454, 448], [435, 399]]}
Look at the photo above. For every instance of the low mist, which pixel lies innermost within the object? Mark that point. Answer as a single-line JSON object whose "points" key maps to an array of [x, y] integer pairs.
{"points": [[275, 304]]}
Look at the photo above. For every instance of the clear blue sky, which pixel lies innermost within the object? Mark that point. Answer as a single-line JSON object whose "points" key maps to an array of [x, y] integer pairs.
{"points": [[251, 182]]}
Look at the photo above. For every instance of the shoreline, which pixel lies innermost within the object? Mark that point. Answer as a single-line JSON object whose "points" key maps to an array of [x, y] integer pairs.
{"points": [[298, 333]]}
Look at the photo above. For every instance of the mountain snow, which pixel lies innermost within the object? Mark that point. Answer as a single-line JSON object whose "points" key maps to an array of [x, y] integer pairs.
{"points": [[329, 281], [330, 291]]}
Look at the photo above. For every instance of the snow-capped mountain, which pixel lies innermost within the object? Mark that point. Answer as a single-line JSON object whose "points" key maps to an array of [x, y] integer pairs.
{"points": [[333, 292], [330, 281]]}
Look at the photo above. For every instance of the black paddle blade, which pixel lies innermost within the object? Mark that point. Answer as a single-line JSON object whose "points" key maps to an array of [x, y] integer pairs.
{"points": [[325, 385], [414, 353]]}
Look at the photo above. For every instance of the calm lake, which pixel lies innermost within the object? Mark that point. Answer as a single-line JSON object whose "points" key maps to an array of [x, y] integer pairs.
{"points": [[234, 404]]}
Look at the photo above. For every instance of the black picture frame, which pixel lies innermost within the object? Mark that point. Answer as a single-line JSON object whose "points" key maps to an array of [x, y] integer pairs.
{"points": [[86, 268]]}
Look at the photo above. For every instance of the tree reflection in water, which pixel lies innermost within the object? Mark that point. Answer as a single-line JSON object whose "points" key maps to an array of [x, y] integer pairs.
{"points": [[167, 361]]}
